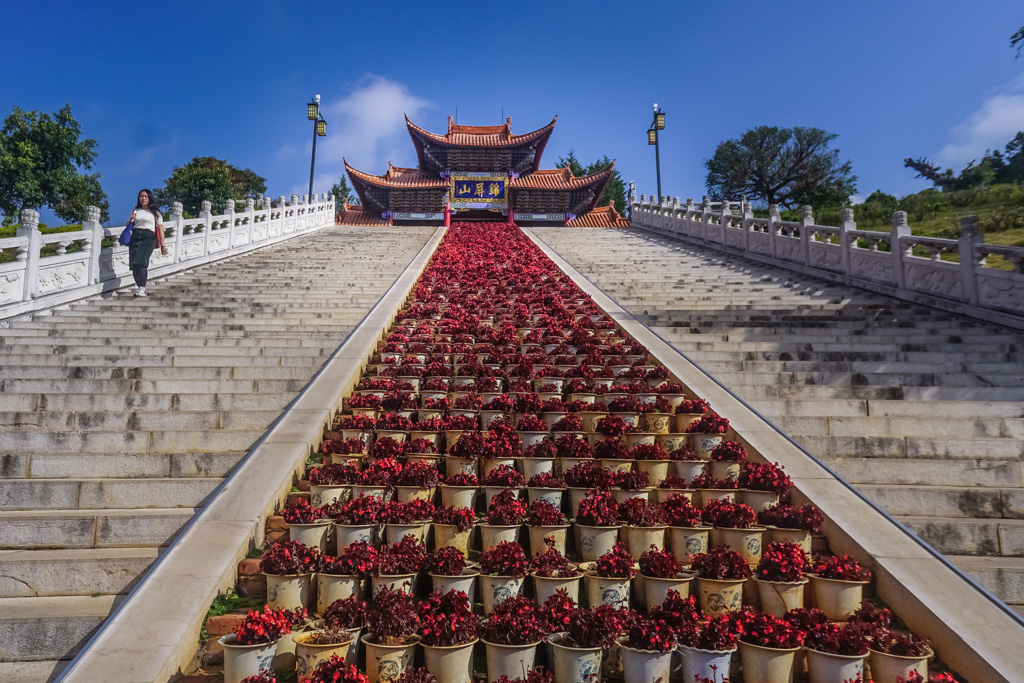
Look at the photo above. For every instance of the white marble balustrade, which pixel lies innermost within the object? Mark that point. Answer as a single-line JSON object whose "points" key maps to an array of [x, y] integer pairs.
{"points": [[33, 282], [883, 262]]}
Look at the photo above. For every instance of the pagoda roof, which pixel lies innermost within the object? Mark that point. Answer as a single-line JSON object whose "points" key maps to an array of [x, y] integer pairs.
{"points": [[354, 215], [397, 177], [561, 179], [601, 217], [480, 137]]}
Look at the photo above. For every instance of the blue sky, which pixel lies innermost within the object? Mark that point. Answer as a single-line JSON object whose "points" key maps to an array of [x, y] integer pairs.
{"points": [[159, 83]]}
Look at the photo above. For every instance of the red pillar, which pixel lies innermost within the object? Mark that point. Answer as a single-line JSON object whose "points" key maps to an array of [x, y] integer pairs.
{"points": [[448, 215]]}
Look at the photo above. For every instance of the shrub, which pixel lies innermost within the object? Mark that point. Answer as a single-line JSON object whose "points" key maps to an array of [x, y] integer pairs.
{"points": [[679, 511], [612, 449], [461, 479], [334, 670], [462, 518], [546, 480], [637, 512], [660, 564], [551, 563], [782, 561], [721, 564], [333, 475], [447, 619], [806, 517], [596, 627], [647, 451], [357, 559], [647, 633], [532, 423], [405, 557], [446, 561], [360, 511], [729, 451], [837, 640], [506, 510], [598, 508], [711, 423], [571, 446], [301, 512], [764, 477], [758, 628], [267, 626], [841, 568], [616, 563], [391, 617], [504, 475], [289, 558], [505, 559], [346, 613], [513, 622], [725, 515], [631, 480], [587, 475], [543, 513]]}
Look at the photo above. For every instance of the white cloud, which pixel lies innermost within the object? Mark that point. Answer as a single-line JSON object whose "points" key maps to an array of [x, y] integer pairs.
{"points": [[991, 126], [856, 199], [366, 127]]}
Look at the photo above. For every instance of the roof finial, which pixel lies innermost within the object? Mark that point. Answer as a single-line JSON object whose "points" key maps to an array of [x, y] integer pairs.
{"points": [[449, 124]]}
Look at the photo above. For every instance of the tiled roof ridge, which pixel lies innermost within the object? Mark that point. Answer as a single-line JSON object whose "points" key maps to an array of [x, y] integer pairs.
{"points": [[504, 131]]}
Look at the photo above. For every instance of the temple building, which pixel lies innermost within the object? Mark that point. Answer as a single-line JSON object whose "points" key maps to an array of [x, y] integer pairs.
{"points": [[479, 173]]}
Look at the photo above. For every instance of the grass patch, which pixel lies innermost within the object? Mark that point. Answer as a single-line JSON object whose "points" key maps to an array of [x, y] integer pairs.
{"points": [[315, 459], [254, 553], [228, 602]]}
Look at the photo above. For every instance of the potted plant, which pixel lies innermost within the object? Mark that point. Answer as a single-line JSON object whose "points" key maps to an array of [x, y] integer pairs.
{"points": [[511, 634], [449, 627], [448, 571], [662, 574], [894, 654], [707, 648], [377, 478], [780, 578], [289, 568], [571, 450], [330, 483], [344, 576], [761, 484], [710, 489], [357, 520], [689, 412], [645, 526], [392, 623], [546, 486], [652, 460], [628, 485], [502, 570], [735, 526], [835, 653], [672, 485], [583, 478], [306, 524], [501, 447], [464, 447], [613, 455], [539, 458], [552, 573], [349, 617], [837, 586], [453, 526], [335, 670], [505, 514], [398, 564], [250, 649], [502, 478], [407, 519], [579, 649], [727, 460], [459, 490], [791, 524], [314, 647], [647, 651], [610, 583], [531, 430], [417, 480], [684, 460], [657, 416], [721, 574], [346, 452], [706, 433], [768, 647], [597, 524], [546, 523], [687, 534]]}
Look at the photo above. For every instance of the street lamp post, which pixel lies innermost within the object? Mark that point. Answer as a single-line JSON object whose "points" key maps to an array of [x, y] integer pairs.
{"points": [[319, 130], [652, 139]]}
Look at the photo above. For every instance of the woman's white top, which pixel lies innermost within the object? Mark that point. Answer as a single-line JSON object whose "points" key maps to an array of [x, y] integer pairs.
{"points": [[145, 220]]}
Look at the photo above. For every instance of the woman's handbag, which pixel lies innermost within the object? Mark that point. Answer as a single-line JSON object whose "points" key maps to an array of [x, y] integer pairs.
{"points": [[126, 234]]}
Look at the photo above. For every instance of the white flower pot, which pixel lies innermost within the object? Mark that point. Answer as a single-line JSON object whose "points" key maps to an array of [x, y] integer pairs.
{"points": [[405, 494], [347, 534], [458, 496], [688, 542], [688, 469], [465, 583], [656, 470], [450, 664], [595, 541], [716, 598], [645, 666], [531, 467], [396, 582], [724, 470], [886, 667], [837, 599], [538, 534], [767, 664], [657, 589], [779, 597], [385, 663], [747, 542], [498, 589], [823, 667], [705, 443], [493, 534], [449, 535], [575, 664], [308, 656], [799, 536], [491, 464], [394, 533], [639, 539], [322, 495], [546, 586], [758, 500], [290, 592], [698, 662], [312, 535], [509, 660], [331, 587], [491, 491], [553, 496], [607, 590], [242, 661], [455, 465]]}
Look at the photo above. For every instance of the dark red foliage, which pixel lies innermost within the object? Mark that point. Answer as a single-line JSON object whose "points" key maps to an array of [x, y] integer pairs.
{"points": [[446, 561], [405, 557], [871, 615], [764, 476], [546, 480], [505, 559], [260, 678], [381, 472], [587, 475], [841, 568], [554, 613], [711, 423], [782, 561], [267, 626], [694, 406], [333, 475], [504, 475], [647, 451], [704, 480], [461, 479], [457, 422], [596, 627], [416, 510], [900, 644], [419, 446], [611, 426], [543, 513], [357, 559], [506, 509], [805, 619], [718, 634], [721, 564], [726, 515], [391, 617], [759, 628], [386, 448], [470, 446], [648, 633], [334, 670], [513, 622], [660, 564], [631, 480], [684, 452], [570, 446], [344, 447], [545, 448], [679, 511], [678, 612], [447, 619], [806, 517], [598, 508], [837, 640], [570, 423], [537, 675], [672, 482], [532, 423], [360, 511], [419, 473], [638, 512], [612, 449], [395, 423], [729, 451], [418, 675], [462, 518], [345, 614], [301, 512], [617, 563], [362, 422], [289, 558]]}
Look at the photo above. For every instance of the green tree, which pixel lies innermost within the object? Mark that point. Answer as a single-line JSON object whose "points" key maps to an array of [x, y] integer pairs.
{"points": [[784, 166], [994, 168], [573, 163], [1017, 40], [208, 178], [877, 208], [41, 156], [342, 192], [614, 190]]}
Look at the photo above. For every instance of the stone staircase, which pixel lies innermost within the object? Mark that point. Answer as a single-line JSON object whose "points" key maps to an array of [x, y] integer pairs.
{"points": [[923, 411], [119, 416]]}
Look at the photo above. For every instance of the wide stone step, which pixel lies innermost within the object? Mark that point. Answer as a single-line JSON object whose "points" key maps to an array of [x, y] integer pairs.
{"points": [[932, 472], [135, 421], [53, 628], [154, 373], [956, 536], [911, 447], [91, 528], [949, 427], [45, 671], [176, 441], [101, 494], [45, 573], [1001, 576], [139, 403], [947, 501], [114, 465]]}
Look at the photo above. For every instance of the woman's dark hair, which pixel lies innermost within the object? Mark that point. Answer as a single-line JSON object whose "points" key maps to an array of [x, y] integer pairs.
{"points": [[154, 206]]}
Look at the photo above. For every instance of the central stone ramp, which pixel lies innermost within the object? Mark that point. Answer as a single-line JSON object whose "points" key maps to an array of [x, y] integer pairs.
{"points": [[119, 416], [922, 410]]}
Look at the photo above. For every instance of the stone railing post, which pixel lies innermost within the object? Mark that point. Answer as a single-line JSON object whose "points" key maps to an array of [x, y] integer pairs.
{"points": [[773, 226], [177, 219], [899, 253], [229, 214], [206, 213], [846, 225], [970, 260], [29, 228], [250, 218], [705, 208], [94, 242], [806, 221], [748, 220], [691, 209], [674, 224], [723, 220]]}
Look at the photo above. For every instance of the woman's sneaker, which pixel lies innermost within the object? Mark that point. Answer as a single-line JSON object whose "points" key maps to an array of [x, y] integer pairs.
{"points": [[141, 292]]}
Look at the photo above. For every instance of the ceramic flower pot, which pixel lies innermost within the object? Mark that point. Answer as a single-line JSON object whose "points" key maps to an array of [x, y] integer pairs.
{"points": [[688, 469], [656, 470], [308, 656], [312, 535], [498, 589], [616, 465], [607, 590], [531, 467], [466, 582], [491, 491], [393, 533], [429, 458], [453, 663], [404, 494], [710, 664], [322, 495], [721, 469], [354, 459], [837, 599], [290, 592], [385, 663], [645, 666], [886, 667], [688, 542], [331, 587], [490, 464], [658, 423], [779, 597], [453, 465], [509, 660], [595, 541], [824, 667], [458, 496], [396, 582], [747, 542], [546, 586], [767, 664], [621, 495], [758, 500], [634, 439], [449, 535], [799, 536], [575, 664], [708, 495], [531, 438], [705, 443], [381, 493], [575, 496], [347, 534], [657, 589], [242, 661], [553, 496], [493, 534], [683, 422], [639, 539], [717, 597], [671, 441]]}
